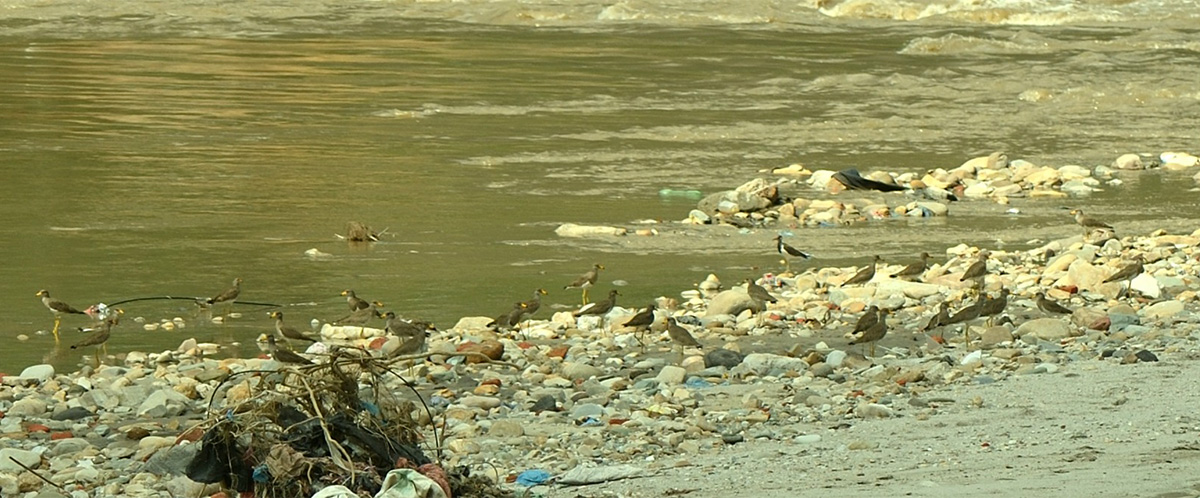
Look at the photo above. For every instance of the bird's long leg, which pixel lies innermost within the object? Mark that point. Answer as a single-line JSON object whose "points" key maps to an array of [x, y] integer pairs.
{"points": [[585, 300], [57, 320], [872, 349]]}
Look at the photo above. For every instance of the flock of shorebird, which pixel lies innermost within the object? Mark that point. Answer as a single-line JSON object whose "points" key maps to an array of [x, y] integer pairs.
{"points": [[872, 324], [408, 337]]}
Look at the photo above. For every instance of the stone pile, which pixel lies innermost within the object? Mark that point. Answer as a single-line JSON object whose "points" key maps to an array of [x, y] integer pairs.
{"points": [[581, 400], [759, 203]]}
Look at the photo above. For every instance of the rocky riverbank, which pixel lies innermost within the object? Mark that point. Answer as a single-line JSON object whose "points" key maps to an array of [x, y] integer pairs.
{"points": [[580, 401]]}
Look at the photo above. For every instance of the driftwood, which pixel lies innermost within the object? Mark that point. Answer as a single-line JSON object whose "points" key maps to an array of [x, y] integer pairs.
{"points": [[358, 232]]}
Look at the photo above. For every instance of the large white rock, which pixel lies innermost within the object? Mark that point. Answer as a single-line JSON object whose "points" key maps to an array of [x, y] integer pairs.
{"points": [[29, 458], [1073, 172], [764, 363], [1083, 275], [1128, 161], [1163, 309], [820, 178], [40, 373], [1179, 159], [579, 371], [472, 322], [1147, 285], [730, 302], [163, 403], [573, 230], [27, 407], [1046, 329], [671, 375], [915, 290], [843, 295]]}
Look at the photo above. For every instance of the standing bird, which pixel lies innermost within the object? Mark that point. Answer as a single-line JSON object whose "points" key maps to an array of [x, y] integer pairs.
{"points": [[760, 296], [1052, 307], [411, 334], [875, 332], [914, 270], [641, 322], [977, 271], [412, 345], [869, 318], [533, 305], [362, 316], [100, 334], [288, 332], [404, 328], [758, 293], [942, 317], [967, 314], [1089, 222], [1127, 272], [283, 355], [586, 281], [864, 275], [994, 306], [357, 303], [508, 319], [599, 307], [788, 251], [680, 335], [57, 307], [229, 295]]}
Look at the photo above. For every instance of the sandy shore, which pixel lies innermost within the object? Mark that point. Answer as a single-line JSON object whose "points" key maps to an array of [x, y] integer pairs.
{"points": [[1095, 428]]}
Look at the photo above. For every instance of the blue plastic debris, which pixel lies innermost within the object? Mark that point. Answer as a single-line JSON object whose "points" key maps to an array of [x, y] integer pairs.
{"points": [[533, 477], [697, 383], [591, 422], [369, 407], [262, 474]]}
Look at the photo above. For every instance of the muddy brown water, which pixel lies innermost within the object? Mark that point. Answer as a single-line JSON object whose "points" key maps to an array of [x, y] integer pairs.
{"points": [[167, 151]]}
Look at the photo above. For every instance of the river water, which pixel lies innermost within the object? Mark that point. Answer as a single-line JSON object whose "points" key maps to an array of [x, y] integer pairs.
{"points": [[164, 148]]}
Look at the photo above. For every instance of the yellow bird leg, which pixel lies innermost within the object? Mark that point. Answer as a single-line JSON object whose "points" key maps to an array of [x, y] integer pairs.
{"points": [[55, 331]]}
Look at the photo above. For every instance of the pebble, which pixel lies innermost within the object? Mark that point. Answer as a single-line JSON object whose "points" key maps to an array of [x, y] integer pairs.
{"points": [[484, 402], [722, 358], [671, 375], [27, 407], [506, 429]]}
